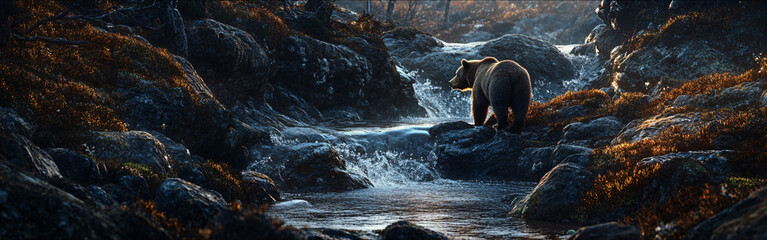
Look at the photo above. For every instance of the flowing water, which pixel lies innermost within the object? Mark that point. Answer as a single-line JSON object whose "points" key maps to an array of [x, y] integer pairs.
{"points": [[398, 158]]}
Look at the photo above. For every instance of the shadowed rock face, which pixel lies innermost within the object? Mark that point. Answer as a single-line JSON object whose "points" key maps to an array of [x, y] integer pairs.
{"points": [[32, 208], [232, 62], [744, 220], [193, 205]]}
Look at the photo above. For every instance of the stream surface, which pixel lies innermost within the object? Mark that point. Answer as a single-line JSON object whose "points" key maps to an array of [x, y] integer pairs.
{"points": [[398, 159]]}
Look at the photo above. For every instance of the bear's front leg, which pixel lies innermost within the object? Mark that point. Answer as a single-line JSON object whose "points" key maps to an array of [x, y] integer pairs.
{"points": [[479, 107]]}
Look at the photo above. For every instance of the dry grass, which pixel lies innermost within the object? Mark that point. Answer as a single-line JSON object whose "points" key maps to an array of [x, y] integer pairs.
{"points": [[67, 90]]}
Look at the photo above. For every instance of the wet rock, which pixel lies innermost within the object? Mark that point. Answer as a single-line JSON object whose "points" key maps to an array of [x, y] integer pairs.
{"points": [[230, 60], [460, 133], [310, 166], [715, 161], [606, 39], [252, 226], [542, 60], [597, 128], [74, 166], [32, 208], [584, 49], [403, 230], [177, 151], [21, 152], [405, 41], [191, 204], [479, 153], [649, 128], [557, 195], [267, 191], [134, 147], [607, 231], [744, 220]]}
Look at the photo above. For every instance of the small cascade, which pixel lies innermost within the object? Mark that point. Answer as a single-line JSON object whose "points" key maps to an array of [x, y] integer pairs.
{"points": [[440, 103]]}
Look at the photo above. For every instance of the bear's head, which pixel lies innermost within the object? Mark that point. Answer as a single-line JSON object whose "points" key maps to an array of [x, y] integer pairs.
{"points": [[462, 81]]}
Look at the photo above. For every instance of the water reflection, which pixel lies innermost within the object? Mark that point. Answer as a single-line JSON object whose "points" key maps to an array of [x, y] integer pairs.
{"points": [[463, 210]]}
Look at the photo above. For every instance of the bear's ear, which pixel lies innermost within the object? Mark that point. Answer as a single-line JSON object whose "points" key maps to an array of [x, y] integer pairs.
{"points": [[464, 63]]}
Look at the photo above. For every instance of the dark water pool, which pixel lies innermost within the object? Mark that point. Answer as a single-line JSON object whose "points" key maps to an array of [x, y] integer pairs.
{"points": [[461, 209]]}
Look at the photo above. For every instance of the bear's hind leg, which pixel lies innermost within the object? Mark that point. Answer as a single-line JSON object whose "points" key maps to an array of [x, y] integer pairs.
{"points": [[520, 114], [502, 115]]}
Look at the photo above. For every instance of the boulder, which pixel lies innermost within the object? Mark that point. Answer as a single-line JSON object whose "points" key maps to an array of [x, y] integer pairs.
{"points": [[127, 189], [21, 152], [542, 60], [649, 128], [404, 230], [136, 147], [557, 195], [252, 225], [478, 153], [402, 42], [672, 175], [534, 162], [191, 204], [33, 209], [74, 166], [645, 69], [311, 167], [744, 220], [266, 190], [607, 231], [598, 128], [231, 61], [606, 39]]}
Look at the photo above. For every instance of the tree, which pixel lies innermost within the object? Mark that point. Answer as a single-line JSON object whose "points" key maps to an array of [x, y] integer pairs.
{"points": [[390, 9], [446, 19], [411, 10]]}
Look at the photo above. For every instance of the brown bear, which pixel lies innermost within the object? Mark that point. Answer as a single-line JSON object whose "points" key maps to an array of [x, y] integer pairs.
{"points": [[500, 84]]}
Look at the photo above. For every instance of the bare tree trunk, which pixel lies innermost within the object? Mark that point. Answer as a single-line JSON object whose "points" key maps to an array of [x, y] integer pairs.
{"points": [[173, 26], [367, 7], [390, 9], [446, 20]]}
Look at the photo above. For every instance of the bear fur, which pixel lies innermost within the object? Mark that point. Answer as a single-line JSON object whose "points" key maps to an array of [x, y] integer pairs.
{"points": [[499, 84]]}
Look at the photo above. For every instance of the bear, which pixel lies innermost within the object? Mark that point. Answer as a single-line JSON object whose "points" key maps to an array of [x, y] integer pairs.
{"points": [[500, 84]]}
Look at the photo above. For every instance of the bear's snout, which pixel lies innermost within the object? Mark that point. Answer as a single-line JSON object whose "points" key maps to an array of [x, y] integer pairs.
{"points": [[455, 83]]}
